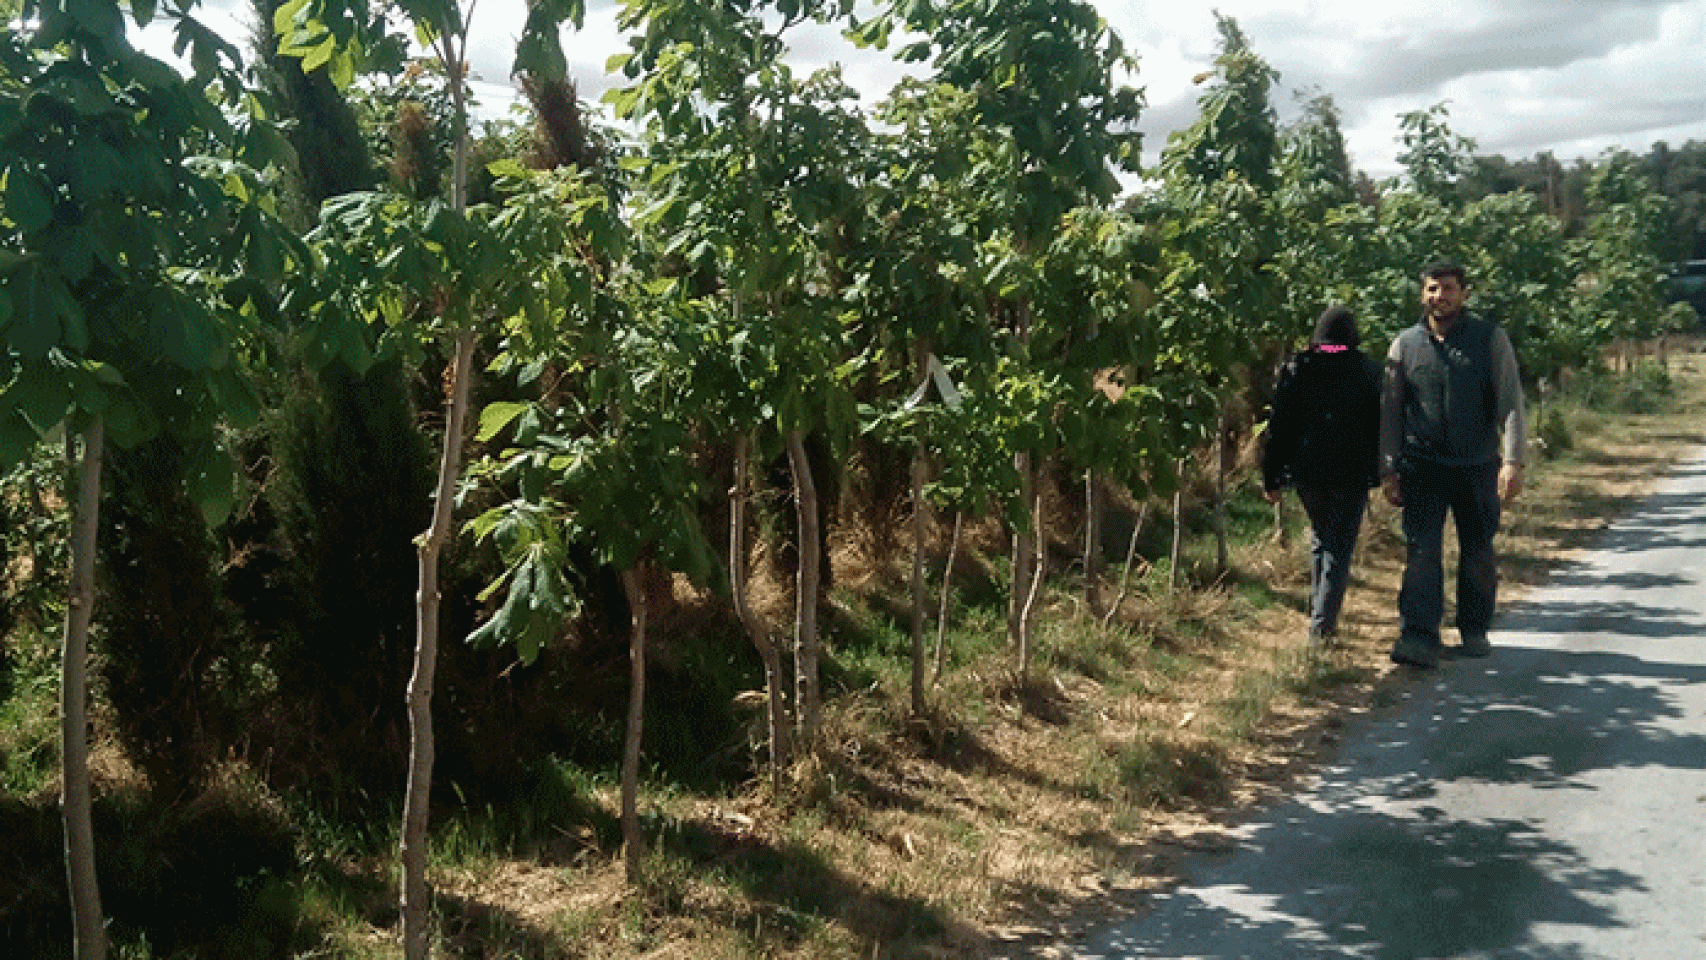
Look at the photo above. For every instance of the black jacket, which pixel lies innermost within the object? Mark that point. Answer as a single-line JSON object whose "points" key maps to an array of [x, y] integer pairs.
{"points": [[1324, 429]]}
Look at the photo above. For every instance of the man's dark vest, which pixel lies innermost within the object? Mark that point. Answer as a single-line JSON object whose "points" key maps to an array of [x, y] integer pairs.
{"points": [[1450, 414]]}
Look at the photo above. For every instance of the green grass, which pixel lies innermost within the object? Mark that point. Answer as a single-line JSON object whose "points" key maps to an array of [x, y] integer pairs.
{"points": [[29, 727], [1166, 772]]}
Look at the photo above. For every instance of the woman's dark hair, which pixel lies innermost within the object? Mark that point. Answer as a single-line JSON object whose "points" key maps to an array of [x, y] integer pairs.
{"points": [[1337, 325]]}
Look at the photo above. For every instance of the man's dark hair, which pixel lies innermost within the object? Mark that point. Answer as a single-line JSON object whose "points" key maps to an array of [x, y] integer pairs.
{"points": [[1446, 268]]}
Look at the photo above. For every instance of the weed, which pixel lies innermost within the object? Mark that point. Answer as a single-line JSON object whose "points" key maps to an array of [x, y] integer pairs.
{"points": [[29, 710], [1167, 771], [1252, 699]]}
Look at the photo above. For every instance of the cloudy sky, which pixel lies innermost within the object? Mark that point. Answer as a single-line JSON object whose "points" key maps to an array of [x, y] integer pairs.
{"points": [[1574, 77]]}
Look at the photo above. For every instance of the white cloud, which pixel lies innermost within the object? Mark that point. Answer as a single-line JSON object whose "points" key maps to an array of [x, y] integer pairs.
{"points": [[1573, 77]]}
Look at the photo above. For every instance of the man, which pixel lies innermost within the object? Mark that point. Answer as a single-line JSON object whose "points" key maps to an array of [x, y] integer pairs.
{"points": [[1452, 434]]}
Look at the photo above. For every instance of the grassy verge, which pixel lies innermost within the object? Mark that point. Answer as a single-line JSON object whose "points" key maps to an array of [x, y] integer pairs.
{"points": [[1013, 815]]}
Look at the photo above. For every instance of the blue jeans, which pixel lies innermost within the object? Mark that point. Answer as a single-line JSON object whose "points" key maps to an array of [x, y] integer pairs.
{"points": [[1471, 495], [1335, 517]]}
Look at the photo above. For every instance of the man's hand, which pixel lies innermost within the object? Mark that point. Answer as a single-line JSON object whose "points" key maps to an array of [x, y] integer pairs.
{"points": [[1272, 496], [1510, 482], [1394, 491]]}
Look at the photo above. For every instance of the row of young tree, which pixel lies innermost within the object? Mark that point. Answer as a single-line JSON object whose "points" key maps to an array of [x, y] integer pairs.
{"points": [[199, 297]]}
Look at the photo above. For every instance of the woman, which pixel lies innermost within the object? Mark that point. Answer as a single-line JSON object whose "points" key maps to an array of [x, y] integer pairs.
{"points": [[1323, 439]]}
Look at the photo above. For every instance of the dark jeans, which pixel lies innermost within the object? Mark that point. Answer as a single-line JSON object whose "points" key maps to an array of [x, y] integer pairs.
{"points": [[1472, 497], [1335, 517]]}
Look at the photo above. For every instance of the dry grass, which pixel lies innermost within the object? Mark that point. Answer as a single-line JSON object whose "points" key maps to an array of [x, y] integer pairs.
{"points": [[1019, 813], [1025, 812]]}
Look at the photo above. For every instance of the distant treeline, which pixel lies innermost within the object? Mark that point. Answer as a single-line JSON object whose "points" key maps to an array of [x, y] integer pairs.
{"points": [[1679, 173]]}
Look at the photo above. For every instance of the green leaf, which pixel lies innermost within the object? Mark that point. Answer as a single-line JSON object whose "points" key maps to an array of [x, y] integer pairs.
{"points": [[496, 417], [319, 54], [235, 396], [100, 17], [151, 73], [43, 308], [27, 204], [211, 483], [128, 422], [142, 11], [40, 394], [481, 527]]}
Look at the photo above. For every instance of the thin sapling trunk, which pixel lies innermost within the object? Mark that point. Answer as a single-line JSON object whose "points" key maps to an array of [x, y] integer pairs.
{"points": [[633, 844], [920, 590], [89, 938], [806, 703], [1093, 502], [776, 708], [416, 798], [942, 607]]}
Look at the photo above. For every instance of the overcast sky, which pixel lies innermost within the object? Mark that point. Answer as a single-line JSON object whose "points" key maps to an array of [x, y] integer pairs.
{"points": [[1573, 77]]}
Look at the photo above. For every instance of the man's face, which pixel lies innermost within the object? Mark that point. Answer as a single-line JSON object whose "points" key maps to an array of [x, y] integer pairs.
{"points": [[1442, 297]]}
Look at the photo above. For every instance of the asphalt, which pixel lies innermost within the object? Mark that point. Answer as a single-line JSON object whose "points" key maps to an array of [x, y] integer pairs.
{"points": [[1546, 802]]}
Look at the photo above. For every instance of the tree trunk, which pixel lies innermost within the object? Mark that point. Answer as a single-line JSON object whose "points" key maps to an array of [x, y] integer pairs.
{"points": [[1024, 560], [416, 798], [633, 844], [1039, 564], [776, 707], [808, 711], [1176, 555], [1222, 451], [942, 608], [89, 937], [1093, 501], [1130, 557], [920, 590]]}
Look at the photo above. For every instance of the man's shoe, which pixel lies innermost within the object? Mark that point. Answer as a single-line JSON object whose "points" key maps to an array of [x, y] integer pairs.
{"points": [[1320, 642], [1415, 653], [1474, 645]]}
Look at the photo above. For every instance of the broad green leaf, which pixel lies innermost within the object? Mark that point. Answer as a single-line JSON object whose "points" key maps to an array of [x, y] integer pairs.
{"points": [[150, 72], [17, 440], [507, 167], [341, 69], [42, 308], [211, 482], [142, 11], [293, 24], [27, 204], [100, 17], [40, 394], [319, 54], [481, 527], [234, 396], [128, 422], [496, 417]]}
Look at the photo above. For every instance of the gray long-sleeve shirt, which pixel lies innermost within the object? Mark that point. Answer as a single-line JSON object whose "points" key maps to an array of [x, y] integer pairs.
{"points": [[1454, 400]]}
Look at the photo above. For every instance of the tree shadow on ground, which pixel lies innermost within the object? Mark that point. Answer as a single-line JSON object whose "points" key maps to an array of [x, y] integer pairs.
{"points": [[1369, 864], [1385, 887]]}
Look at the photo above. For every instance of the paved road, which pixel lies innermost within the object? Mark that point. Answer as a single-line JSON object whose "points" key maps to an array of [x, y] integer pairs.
{"points": [[1547, 802]]}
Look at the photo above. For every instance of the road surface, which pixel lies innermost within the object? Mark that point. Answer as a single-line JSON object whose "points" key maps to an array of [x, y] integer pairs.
{"points": [[1546, 802]]}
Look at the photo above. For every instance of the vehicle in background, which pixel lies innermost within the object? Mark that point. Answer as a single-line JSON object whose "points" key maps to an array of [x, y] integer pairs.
{"points": [[1687, 284]]}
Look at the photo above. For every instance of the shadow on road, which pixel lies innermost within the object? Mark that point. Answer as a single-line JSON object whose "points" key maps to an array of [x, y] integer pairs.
{"points": [[1541, 803], [1367, 865]]}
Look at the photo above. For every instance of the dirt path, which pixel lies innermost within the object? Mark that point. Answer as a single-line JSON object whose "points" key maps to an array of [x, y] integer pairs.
{"points": [[1524, 805]]}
